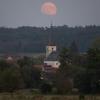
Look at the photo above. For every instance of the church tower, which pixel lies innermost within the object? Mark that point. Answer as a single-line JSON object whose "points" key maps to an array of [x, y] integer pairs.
{"points": [[50, 48]]}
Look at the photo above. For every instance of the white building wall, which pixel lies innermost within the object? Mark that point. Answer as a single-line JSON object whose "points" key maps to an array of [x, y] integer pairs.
{"points": [[54, 64]]}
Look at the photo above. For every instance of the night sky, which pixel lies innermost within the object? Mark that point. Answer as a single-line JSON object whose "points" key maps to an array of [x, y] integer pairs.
{"points": [[15, 13]]}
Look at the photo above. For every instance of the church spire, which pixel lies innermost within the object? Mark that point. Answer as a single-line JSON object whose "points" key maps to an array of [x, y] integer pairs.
{"points": [[50, 34], [51, 24], [51, 47]]}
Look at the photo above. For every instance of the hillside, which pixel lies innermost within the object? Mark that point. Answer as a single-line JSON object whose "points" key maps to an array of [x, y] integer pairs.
{"points": [[34, 39]]}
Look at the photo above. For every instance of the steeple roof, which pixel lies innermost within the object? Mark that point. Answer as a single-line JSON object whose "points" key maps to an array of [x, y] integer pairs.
{"points": [[52, 57]]}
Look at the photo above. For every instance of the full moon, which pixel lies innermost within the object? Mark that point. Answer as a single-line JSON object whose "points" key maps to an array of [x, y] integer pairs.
{"points": [[49, 8]]}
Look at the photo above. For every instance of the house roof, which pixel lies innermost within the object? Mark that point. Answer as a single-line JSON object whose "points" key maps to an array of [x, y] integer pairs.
{"points": [[52, 57]]}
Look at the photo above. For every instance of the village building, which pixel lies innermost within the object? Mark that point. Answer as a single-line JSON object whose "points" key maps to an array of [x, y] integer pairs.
{"points": [[51, 56], [51, 61]]}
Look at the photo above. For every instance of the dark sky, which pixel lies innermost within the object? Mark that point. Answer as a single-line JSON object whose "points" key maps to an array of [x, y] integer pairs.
{"points": [[14, 13]]}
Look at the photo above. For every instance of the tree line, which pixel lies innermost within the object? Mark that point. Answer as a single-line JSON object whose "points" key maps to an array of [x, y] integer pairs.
{"points": [[34, 39]]}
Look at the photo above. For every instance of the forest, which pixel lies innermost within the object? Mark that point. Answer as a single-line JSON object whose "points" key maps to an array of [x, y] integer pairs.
{"points": [[34, 39]]}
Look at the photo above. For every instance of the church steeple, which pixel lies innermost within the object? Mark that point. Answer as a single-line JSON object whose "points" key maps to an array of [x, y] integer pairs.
{"points": [[51, 47], [50, 34]]}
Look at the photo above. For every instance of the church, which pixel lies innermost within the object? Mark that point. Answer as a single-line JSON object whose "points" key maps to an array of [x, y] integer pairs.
{"points": [[51, 61], [51, 56]]}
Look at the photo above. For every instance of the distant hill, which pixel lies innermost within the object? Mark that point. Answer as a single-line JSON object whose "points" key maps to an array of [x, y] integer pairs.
{"points": [[34, 39]]}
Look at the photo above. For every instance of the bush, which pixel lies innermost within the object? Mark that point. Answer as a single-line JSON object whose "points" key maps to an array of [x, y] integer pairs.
{"points": [[46, 88]]}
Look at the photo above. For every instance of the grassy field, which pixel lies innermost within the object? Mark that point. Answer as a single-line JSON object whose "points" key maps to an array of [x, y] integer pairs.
{"points": [[45, 97]]}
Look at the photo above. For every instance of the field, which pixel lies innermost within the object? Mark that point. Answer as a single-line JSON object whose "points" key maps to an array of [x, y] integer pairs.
{"points": [[46, 97]]}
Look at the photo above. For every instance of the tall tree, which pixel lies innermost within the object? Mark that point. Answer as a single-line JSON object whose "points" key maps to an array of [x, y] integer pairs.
{"points": [[63, 80], [11, 79], [31, 75], [74, 49], [96, 43], [93, 68], [74, 52]]}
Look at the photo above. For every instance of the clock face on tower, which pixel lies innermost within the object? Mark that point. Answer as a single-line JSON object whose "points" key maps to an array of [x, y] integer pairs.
{"points": [[50, 49]]}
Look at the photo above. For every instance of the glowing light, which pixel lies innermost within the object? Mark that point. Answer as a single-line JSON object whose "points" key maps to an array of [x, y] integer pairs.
{"points": [[49, 8]]}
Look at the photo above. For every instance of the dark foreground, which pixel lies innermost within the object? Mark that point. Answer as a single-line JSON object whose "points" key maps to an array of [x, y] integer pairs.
{"points": [[47, 97]]}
